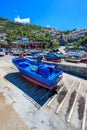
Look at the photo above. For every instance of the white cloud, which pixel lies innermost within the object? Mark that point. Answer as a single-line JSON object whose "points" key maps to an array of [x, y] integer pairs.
{"points": [[24, 20], [48, 26]]}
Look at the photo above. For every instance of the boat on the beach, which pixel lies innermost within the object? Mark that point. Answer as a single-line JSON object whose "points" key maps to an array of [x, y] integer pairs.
{"points": [[52, 57], [38, 73], [73, 59], [84, 59]]}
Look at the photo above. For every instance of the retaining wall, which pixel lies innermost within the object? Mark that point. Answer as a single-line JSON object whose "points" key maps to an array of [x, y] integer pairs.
{"points": [[79, 71]]}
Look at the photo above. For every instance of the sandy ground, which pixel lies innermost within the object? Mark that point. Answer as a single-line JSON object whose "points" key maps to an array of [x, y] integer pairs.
{"points": [[9, 119], [44, 117]]}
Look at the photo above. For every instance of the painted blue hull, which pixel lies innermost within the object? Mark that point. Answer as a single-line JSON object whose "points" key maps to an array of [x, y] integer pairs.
{"points": [[38, 73], [53, 58]]}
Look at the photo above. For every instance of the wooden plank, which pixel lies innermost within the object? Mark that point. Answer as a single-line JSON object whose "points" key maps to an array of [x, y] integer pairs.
{"points": [[49, 103], [61, 104]]}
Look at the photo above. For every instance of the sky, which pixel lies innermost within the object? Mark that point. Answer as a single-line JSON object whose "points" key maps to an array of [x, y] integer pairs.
{"points": [[59, 14]]}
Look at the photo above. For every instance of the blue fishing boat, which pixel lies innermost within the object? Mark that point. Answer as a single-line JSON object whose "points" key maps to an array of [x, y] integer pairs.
{"points": [[52, 57], [38, 73]]}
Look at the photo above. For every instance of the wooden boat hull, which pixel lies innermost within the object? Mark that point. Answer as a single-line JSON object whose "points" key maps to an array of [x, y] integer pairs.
{"points": [[53, 60], [39, 84], [71, 60], [83, 59]]}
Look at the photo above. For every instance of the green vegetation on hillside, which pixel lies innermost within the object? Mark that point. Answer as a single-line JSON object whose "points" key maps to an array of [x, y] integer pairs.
{"points": [[16, 31], [33, 32]]}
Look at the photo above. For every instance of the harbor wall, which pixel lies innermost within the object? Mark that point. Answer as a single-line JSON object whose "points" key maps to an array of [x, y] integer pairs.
{"points": [[79, 71]]}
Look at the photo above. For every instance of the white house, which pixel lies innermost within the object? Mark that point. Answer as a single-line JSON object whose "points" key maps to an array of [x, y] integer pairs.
{"points": [[25, 40]]}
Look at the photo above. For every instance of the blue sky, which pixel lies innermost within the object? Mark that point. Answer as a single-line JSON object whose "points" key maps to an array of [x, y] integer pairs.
{"points": [[59, 14]]}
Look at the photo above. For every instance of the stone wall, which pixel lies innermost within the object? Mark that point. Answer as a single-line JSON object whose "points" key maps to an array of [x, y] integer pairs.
{"points": [[79, 71]]}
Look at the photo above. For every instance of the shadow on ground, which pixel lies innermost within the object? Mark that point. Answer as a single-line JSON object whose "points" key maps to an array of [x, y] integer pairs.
{"points": [[39, 94]]}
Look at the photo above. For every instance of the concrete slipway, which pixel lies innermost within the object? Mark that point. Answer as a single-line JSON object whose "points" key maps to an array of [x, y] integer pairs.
{"points": [[66, 110]]}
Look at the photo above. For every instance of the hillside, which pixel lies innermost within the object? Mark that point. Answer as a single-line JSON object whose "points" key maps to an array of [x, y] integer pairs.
{"points": [[16, 31], [51, 37], [8, 24]]}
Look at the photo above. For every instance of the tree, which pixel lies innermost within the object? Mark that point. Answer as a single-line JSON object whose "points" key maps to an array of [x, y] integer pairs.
{"points": [[55, 44], [75, 45], [10, 38], [40, 38], [47, 35], [65, 41], [85, 40], [79, 42]]}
